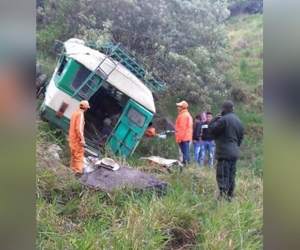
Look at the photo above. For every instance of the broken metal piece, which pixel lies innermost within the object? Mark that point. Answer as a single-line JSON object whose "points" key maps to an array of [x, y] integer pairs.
{"points": [[108, 163]]}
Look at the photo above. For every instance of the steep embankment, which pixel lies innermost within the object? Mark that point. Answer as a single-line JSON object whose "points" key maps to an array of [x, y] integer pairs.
{"points": [[71, 217], [246, 39]]}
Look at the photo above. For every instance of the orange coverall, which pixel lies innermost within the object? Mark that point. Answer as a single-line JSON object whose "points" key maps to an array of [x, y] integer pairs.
{"points": [[75, 138], [184, 126]]}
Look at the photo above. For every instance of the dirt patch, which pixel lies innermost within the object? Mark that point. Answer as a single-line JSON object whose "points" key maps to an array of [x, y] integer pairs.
{"points": [[107, 180]]}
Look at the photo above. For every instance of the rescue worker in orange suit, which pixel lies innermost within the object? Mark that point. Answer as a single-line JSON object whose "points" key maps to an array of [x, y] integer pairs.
{"points": [[184, 131], [76, 138]]}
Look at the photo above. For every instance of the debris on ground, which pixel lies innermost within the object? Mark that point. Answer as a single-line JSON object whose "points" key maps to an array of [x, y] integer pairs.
{"points": [[167, 163], [53, 150], [93, 159], [164, 134], [163, 125], [90, 159], [108, 163], [87, 165]]}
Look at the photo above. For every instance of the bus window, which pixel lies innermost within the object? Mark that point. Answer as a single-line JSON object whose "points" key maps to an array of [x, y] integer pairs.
{"points": [[62, 65], [79, 78], [136, 117]]}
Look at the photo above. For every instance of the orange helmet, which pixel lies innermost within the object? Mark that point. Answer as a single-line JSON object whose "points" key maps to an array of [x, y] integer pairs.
{"points": [[84, 104]]}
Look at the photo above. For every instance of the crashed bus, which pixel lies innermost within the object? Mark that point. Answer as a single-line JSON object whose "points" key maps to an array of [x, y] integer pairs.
{"points": [[117, 87]]}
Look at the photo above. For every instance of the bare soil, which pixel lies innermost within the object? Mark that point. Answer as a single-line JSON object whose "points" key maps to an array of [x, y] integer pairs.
{"points": [[108, 180]]}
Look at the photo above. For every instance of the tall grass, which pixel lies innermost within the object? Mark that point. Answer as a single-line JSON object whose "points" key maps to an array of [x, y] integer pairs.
{"points": [[69, 216], [246, 40]]}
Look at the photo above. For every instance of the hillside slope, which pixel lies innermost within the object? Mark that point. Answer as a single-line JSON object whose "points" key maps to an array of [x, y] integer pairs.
{"points": [[69, 216], [246, 39]]}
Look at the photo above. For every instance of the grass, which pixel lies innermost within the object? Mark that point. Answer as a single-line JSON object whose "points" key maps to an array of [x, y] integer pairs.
{"points": [[246, 40], [70, 216]]}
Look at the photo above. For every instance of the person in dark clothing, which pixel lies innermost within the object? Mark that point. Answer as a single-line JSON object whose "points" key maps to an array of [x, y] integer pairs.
{"points": [[207, 142], [228, 131], [196, 138], [107, 128]]}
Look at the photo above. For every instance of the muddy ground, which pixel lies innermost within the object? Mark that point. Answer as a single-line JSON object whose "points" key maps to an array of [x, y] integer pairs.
{"points": [[108, 180]]}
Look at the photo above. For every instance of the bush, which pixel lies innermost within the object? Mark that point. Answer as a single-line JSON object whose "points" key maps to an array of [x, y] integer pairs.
{"points": [[239, 95], [237, 7]]}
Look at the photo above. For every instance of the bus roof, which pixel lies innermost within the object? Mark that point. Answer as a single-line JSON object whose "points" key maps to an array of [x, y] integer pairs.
{"points": [[121, 77]]}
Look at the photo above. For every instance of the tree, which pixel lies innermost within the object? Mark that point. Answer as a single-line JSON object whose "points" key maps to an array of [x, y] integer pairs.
{"points": [[185, 36], [245, 6]]}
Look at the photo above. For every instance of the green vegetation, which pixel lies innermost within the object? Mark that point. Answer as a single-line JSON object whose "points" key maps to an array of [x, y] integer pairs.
{"points": [[237, 7], [188, 38], [70, 216]]}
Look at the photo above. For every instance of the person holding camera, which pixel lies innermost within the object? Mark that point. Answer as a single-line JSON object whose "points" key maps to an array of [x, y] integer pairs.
{"points": [[228, 132]]}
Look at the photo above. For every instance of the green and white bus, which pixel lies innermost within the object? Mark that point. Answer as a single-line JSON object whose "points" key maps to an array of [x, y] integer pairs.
{"points": [[113, 82]]}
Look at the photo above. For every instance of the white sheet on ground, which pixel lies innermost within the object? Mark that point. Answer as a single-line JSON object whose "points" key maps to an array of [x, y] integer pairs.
{"points": [[162, 161]]}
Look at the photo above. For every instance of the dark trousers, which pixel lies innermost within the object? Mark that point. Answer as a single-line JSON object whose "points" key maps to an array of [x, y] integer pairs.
{"points": [[185, 149], [225, 176]]}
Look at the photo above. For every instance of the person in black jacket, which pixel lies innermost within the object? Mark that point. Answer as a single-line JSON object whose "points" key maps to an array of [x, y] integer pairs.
{"points": [[228, 131], [196, 139]]}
